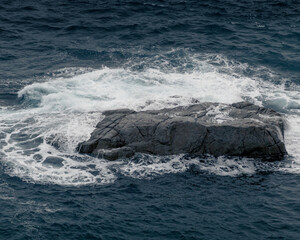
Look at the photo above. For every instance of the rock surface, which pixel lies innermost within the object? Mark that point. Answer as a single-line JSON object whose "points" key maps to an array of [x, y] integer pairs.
{"points": [[55, 162], [240, 129]]}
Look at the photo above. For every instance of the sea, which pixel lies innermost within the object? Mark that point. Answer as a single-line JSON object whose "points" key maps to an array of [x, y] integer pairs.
{"points": [[62, 63]]}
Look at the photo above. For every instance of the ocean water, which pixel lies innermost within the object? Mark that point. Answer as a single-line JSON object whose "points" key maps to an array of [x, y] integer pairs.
{"points": [[62, 63]]}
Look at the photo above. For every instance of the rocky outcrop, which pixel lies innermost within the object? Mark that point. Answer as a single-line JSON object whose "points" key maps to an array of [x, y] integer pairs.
{"points": [[240, 129]]}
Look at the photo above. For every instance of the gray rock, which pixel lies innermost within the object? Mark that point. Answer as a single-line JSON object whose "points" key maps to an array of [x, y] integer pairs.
{"points": [[240, 129], [55, 162]]}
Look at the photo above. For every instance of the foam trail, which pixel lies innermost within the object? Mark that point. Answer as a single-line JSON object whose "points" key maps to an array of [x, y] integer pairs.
{"points": [[38, 140]]}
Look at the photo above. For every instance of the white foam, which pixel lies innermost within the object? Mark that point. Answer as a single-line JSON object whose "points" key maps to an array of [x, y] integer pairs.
{"points": [[114, 88], [219, 114], [64, 110], [292, 140]]}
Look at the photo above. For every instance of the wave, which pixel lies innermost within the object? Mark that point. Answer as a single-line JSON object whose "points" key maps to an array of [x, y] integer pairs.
{"points": [[39, 137]]}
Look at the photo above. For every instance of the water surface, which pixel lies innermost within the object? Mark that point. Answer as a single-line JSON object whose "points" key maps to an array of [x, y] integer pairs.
{"points": [[62, 64]]}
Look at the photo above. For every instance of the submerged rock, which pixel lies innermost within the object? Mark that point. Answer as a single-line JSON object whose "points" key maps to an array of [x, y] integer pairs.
{"points": [[55, 162], [240, 129]]}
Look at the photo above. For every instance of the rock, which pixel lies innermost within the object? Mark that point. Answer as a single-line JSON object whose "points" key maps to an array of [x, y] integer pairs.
{"points": [[114, 153], [55, 162], [240, 129]]}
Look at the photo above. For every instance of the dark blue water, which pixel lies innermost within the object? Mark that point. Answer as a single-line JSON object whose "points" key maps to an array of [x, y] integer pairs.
{"points": [[63, 62]]}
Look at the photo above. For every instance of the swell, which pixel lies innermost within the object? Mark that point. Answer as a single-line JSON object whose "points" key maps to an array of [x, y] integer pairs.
{"points": [[42, 33]]}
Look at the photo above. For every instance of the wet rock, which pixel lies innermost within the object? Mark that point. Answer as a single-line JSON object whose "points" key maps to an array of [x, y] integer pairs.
{"points": [[55, 162], [240, 129], [114, 153]]}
